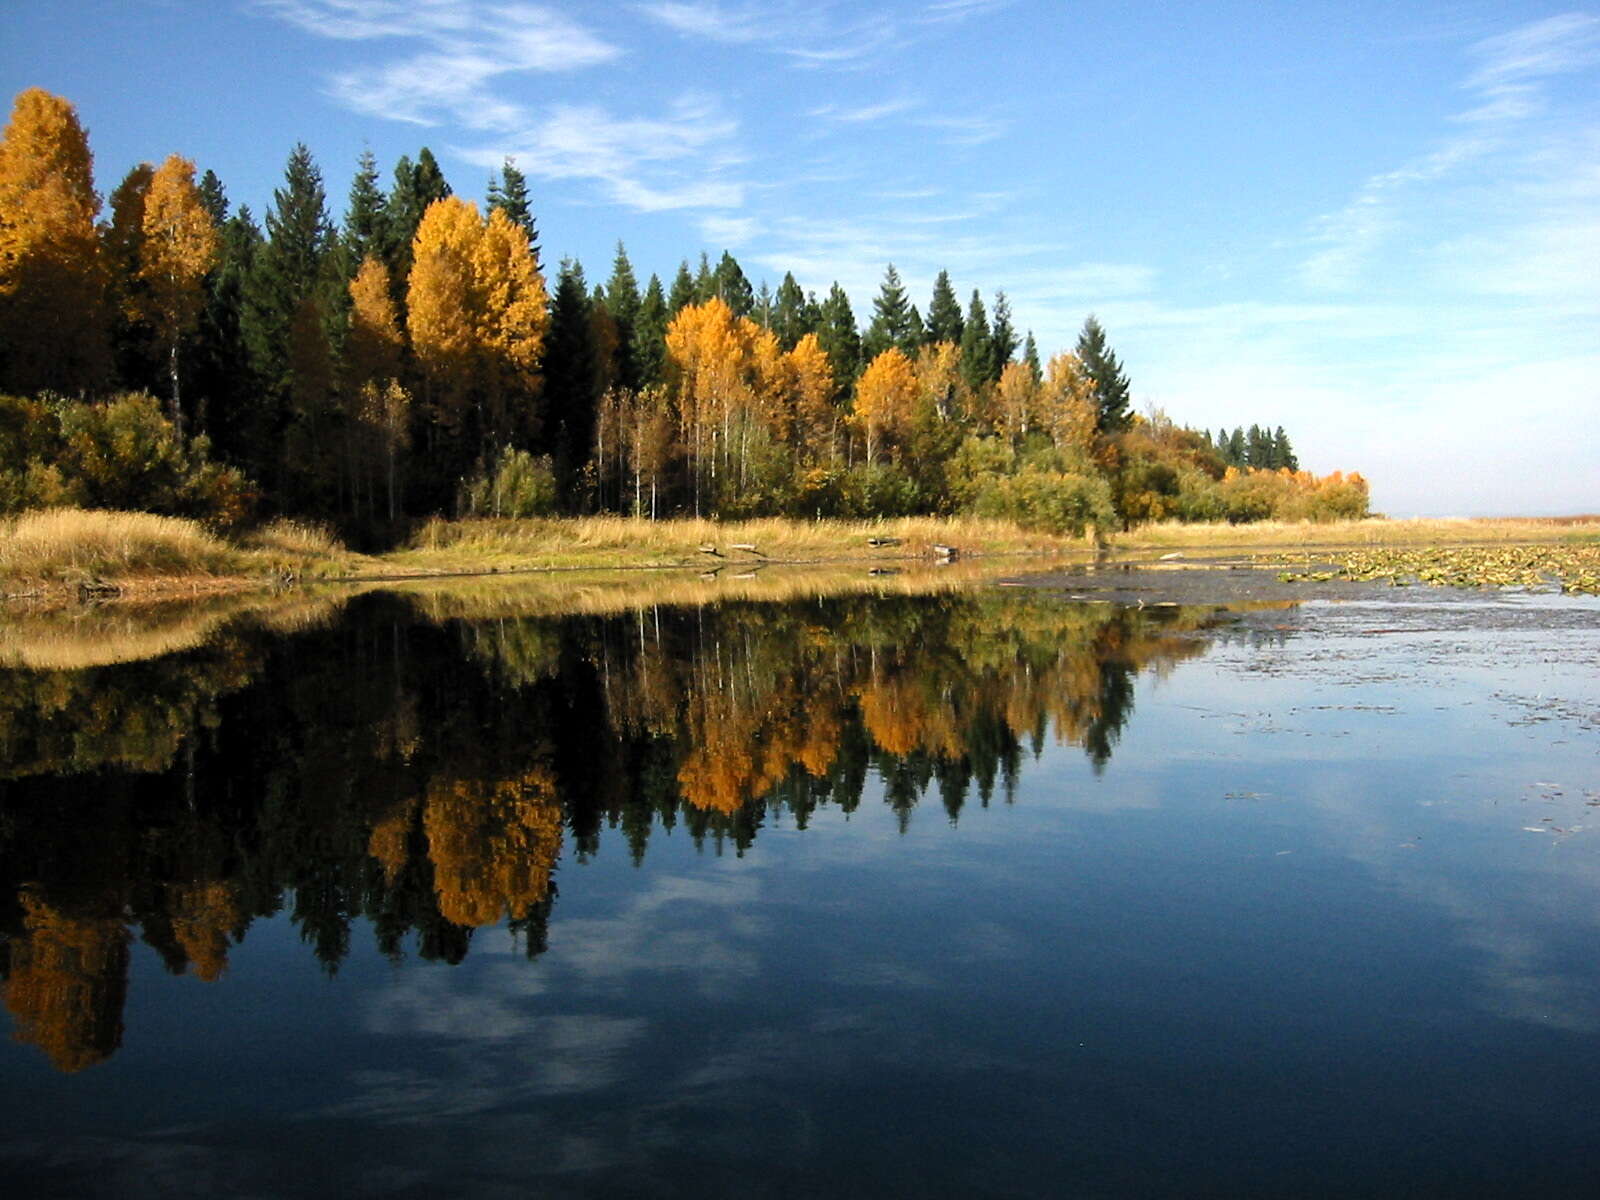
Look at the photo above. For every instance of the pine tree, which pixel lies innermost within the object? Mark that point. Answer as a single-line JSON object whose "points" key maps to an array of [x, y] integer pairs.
{"points": [[977, 348], [416, 186], [1283, 451], [1106, 375], [135, 353], [893, 322], [732, 288], [763, 311], [683, 290], [366, 218], [623, 304], [705, 280], [944, 312], [650, 334], [1258, 447], [224, 385], [215, 198], [509, 194], [1236, 447], [840, 340], [570, 373], [1003, 335], [788, 313], [1030, 356], [287, 285], [53, 330]]}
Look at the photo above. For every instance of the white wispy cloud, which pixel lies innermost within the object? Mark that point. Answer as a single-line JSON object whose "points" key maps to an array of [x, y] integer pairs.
{"points": [[467, 49], [808, 34], [1509, 86], [865, 113], [676, 160], [969, 130], [948, 12]]}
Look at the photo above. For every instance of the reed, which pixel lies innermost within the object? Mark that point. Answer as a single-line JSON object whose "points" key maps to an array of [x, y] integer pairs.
{"points": [[1374, 531]]}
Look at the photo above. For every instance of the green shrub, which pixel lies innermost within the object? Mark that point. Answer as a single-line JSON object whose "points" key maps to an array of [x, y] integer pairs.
{"points": [[1051, 501], [519, 486]]}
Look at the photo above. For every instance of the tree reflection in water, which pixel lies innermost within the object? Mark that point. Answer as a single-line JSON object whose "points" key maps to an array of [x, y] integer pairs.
{"points": [[424, 773]]}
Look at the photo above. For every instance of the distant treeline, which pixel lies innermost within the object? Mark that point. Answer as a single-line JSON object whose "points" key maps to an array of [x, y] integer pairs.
{"points": [[413, 360]]}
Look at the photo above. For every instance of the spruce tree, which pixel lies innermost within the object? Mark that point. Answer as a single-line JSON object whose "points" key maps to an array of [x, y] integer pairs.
{"points": [[1030, 356], [224, 384], [977, 348], [1105, 374], [650, 334], [682, 290], [1003, 335], [893, 322], [366, 218], [731, 286], [944, 312], [762, 314], [509, 193], [839, 338], [788, 315], [1236, 447], [416, 185], [570, 372], [622, 302], [215, 198], [705, 280], [1283, 451]]}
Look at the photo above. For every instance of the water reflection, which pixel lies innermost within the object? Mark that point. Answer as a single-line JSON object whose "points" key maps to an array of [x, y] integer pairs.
{"points": [[424, 766]]}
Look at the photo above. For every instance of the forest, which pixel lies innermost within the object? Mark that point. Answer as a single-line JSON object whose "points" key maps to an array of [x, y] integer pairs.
{"points": [[174, 354]]}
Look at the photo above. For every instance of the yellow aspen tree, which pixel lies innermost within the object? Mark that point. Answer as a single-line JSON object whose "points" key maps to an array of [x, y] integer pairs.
{"points": [[180, 244], [52, 287], [441, 306], [772, 381], [1017, 397], [371, 368], [512, 318], [1068, 409], [709, 355], [939, 380], [886, 394], [816, 418]]}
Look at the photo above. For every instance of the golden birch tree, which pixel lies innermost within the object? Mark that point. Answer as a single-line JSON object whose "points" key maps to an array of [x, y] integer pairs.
{"points": [[886, 396], [180, 244], [52, 287]]}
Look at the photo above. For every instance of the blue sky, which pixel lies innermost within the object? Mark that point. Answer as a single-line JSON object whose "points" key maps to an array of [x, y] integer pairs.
{"points": [[1375, 224]]}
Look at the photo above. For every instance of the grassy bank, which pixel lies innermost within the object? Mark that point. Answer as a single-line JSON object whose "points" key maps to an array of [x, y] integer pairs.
{"points": [[63, 554], [60, 551], [1375, 531], [628, 542]]}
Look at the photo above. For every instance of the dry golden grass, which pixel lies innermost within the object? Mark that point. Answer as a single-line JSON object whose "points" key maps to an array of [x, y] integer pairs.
{"points": [[1376, 531], [77, 543], [606, 592], [611, 541], [148, 553]]}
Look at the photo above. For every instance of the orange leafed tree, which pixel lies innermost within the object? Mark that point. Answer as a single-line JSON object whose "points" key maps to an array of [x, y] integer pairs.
{"points": [[816, 419], [52, 287], [180, 245], [441, 304], [886, 396], [1068, 410]]}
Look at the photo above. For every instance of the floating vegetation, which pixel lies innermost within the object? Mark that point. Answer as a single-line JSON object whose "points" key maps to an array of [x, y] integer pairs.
{"points": [[1571, 567]]}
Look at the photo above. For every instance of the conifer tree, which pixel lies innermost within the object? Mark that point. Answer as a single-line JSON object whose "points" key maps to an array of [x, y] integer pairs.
{"points": [[416, 186], [1283, 452], [840, 340], [224, 382], [944, 312], [650, 334], [570, 374], [623, 304], [215, 198], [705, 280], [788, 312], [732, 287], [133, 340], [52, 284], [366, 218], [1106, 375], [1002, 336], [509, 194], [894, 322], [1030, 356], [977, 348], [682, 293]]}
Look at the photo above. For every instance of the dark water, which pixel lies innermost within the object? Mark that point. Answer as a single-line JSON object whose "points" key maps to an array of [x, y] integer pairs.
{"points": [[993, 894]]}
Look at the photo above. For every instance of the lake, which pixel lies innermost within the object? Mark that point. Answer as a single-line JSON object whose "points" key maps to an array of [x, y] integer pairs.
{"points": [[987, 891]]}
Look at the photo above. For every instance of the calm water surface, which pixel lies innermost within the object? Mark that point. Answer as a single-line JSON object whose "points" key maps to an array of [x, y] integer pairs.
{"points": [[984, 894]]}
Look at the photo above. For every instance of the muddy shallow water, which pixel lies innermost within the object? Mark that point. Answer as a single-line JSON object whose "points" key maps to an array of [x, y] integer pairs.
{"points": [[1138, 880]]}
